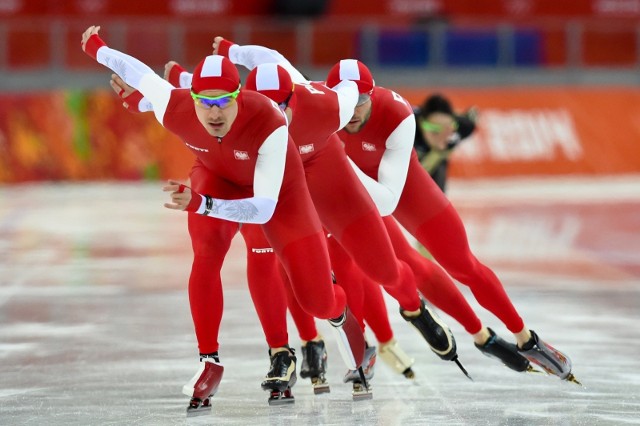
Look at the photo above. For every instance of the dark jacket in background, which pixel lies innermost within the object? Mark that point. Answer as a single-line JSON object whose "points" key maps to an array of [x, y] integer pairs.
{"points": [[436, 162]]}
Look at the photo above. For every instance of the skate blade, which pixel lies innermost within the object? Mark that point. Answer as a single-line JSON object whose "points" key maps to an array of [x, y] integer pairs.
{"points": [[550, 372], [362, 396], [409, 374], [321, 388], [360, 393], [202, 410], [274, 402], [281, 398], [571, 378], [532, 369], [459, 364]]}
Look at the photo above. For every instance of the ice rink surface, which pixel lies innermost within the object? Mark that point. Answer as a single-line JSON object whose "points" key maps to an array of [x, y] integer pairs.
{"points": [[95, 326]]}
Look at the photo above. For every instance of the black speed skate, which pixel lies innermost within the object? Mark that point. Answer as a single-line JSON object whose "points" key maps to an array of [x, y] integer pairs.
{"points": [[281, 377], [434, 331], [506, 352], [314, 366], [203, 385], [548, 358], [361, 377], [437, 334]]}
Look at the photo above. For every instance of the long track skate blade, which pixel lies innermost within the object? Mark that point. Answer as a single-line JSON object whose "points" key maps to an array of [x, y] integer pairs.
{"points": [[281, 401], [198, 407], [321, 388], [532, 369], [409, 374], [457, 361], [201, 411], [363, 379], [571, 378], [360, 393], [320, 385], [281, 398], [362, 396]]}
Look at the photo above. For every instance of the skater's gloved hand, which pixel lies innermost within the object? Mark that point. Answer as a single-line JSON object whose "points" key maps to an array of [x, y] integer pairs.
{"points": [[131, 97], [182, 197], [221, 46], [175, 74], [91, 41]]}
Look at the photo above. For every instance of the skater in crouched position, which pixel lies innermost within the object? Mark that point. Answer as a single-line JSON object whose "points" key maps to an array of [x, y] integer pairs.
{"points": [[247, 164], [427, 214], [315, 113]]}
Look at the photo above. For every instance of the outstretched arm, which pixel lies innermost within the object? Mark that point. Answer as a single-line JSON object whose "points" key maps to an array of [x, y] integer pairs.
{"points": [[250, 56], [132, 71]]}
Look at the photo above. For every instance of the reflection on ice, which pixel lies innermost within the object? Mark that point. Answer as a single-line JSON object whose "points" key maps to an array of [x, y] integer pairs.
{"points": [[96, 327]]}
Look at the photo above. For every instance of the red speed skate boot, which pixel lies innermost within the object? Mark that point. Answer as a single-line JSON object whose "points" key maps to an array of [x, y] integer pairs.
{"points": [[203, 385]]}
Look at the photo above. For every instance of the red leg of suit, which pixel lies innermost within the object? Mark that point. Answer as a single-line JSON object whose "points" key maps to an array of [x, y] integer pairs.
{"points": [[266, 285], [269, 287], [305, 323], [349, 277], [348, 213], [295, 234], [376, 314], [211, 239], [364, 296], [429, 216], [432, 281]]}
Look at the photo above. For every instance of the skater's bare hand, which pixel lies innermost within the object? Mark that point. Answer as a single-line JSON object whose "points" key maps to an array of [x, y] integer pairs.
{"points": [[167, 69], [216, 44], [88, 33], [180, 195]]}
